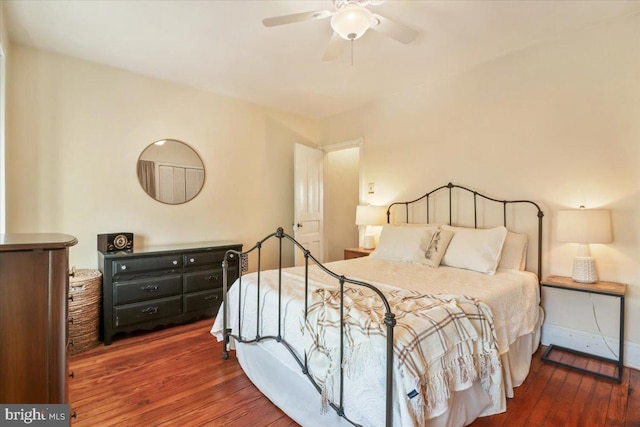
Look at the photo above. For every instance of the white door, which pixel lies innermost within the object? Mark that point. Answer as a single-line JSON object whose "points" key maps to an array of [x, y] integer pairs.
{"points": [[307, 201]]}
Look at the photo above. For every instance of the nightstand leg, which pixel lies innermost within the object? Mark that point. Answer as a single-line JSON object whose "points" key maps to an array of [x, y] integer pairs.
{"points": [[621, 343]]}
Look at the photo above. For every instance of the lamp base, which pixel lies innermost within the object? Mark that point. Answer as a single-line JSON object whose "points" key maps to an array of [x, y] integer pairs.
{"points": [[368, 242], [584, 270]]}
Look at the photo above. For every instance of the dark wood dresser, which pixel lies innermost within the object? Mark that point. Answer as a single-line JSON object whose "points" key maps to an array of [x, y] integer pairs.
{"points": [[155, 285], [34, 286]]}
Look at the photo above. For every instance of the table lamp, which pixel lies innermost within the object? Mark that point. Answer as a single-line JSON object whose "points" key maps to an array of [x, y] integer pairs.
{"points": [[370, 215], [584, 226]]}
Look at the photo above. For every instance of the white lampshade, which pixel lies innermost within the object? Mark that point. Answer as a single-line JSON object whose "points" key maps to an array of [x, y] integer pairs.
{"points": [[584, 226], [351, 21], [371, 215]]}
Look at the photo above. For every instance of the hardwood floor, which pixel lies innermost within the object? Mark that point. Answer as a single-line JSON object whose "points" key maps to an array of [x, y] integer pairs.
{"points": [[176, 377]]}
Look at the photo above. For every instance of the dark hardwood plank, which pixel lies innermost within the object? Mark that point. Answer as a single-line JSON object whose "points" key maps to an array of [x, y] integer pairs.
{"points": [[633, 399], [526, 397], [176, 376], [546, 401], [598, 405], [579, 407], [560, 413], [618, 402]]}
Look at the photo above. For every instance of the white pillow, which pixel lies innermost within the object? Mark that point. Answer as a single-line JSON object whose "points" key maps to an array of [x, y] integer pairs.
{"points": [[514, 252], [402, 243], [438, 242], [475, 249]]}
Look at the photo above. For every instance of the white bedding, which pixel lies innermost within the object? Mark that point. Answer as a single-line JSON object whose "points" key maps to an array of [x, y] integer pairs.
{"points": [[511, 295]]}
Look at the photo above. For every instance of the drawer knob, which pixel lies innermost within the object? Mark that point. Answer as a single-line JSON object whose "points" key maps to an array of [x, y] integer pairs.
{"points": [[150, 288], [175, 262], [192, 260], [211, 278], [150, 310], [124, 267], [211, 297]]}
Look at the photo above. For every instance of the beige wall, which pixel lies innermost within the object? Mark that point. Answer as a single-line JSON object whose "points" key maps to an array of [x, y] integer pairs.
{"points": [[4, 31], [558, 123], [76, 129], [342, 188]]}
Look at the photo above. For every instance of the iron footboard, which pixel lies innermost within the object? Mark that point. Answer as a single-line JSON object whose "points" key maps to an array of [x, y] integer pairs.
{"points": [[389, 319]]}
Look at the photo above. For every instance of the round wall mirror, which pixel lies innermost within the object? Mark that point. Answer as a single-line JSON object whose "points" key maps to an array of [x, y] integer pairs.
{"points": [[170, 171]]}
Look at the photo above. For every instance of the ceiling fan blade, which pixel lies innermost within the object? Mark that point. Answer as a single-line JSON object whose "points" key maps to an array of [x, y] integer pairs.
{"points": [[394, 30], [295, 17], [334, 48]]}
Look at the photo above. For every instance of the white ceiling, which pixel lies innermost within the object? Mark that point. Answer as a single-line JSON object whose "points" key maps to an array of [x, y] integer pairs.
{"points": [[222, 46]]}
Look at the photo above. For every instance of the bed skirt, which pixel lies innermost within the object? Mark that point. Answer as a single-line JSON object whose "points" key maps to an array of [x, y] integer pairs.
{"points": [[293, 393]]}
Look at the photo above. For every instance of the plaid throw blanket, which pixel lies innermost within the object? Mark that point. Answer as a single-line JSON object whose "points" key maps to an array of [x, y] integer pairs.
{"points": [[442, 343]]}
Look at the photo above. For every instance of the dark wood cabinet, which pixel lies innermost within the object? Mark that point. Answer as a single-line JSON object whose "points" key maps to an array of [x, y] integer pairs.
{"points": [[34, 287], [155, 286]]}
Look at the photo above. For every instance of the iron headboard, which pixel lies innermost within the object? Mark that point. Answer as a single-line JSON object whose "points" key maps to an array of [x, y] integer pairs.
{"points": [[504, 203]]}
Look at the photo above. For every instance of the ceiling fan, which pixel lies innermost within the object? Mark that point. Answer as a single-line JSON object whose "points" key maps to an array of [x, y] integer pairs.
{"points": [[349, 21]]}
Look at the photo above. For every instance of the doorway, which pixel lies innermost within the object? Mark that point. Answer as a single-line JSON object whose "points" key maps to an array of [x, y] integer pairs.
{"points": [[343, 186]]}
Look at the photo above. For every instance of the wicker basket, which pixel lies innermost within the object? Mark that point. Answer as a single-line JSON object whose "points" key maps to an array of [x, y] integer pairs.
{"points": [[85, 291]]}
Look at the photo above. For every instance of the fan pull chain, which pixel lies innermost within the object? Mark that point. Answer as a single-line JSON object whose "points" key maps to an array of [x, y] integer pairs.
{"points": [[352, 52]]}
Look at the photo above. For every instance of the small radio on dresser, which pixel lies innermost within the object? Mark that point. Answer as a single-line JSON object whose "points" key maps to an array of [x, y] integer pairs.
{"points": [[115, 242]]}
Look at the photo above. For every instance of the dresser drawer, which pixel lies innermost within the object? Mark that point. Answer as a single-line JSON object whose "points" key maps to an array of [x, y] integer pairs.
{"points": [[144, 290], [147, 311], [203, 280], [136, 265], [203, 300], [211, 258]]}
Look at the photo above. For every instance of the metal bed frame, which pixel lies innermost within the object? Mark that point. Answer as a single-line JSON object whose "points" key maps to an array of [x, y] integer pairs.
{"points": [[389, 319], [504, 203]]}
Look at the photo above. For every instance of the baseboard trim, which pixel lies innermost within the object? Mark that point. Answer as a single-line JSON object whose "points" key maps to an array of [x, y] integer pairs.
{"points": [[590, 343]]}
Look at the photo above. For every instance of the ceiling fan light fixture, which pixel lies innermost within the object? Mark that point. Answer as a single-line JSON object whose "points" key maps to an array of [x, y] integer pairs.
{"points": [[351, 21]]}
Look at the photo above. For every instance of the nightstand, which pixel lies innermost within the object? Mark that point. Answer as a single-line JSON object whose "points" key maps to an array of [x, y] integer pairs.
{"points": [[351, 253], [611, 289]]}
